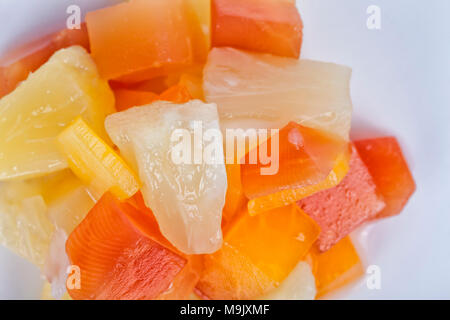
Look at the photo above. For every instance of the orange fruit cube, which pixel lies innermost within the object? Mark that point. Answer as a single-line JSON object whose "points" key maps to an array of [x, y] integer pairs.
{"points": [[234, 198], [286, 197], [140, 39], [301, 157], [335, 268], [387, 165], [259, 25], [258, 253], [126, 98], [116, 261], [341, 209]]}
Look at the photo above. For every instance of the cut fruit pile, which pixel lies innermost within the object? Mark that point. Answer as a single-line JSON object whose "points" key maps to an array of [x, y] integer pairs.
{"points": [[113, 159]]}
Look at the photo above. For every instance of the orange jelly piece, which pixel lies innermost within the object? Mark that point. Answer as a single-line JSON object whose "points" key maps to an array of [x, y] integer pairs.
{"points": [[286, 197], [306, 157], [259, 25], [184, 282], [234, 199], [387, 165], [335, 268], [116, 261], [126, 98], [257, 254], [17, 65], [341, 209], [140, 39], [177, 94]]}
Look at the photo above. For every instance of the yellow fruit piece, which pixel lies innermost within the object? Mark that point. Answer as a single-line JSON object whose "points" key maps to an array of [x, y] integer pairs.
{"points": [[96, 163], [286, 197], [24, 225], [34, 114], [31, 209], [199, 15], [47, 293], [68, 200]]}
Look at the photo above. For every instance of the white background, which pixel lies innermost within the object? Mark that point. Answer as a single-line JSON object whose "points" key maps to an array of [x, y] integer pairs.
{"points": [[400, 86]]}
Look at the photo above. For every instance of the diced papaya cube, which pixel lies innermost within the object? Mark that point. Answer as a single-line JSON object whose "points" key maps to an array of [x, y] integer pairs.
{"points": [[300, 157], [140, 39], [258, 253], [116, 261], [96, 163], [19, 63], [176, 94], [184, 283], [144, 220], [126, 98], [259, 25], [341, 209], [335, 268], [389, 169], [234, 198], [286, 197]]}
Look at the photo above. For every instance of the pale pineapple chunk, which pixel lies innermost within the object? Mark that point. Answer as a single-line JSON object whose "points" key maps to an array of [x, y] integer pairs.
{"points": [[30, 210], [67, 198], [31, 117], [186, 197], [264, 91], [24, 225], [48, 295]]}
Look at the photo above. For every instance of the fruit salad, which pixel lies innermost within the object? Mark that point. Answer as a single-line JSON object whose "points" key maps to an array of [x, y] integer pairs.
{"points": [[184, 149]]}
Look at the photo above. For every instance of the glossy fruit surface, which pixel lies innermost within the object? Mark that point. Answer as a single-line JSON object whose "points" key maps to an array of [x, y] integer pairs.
{"points": [[18, 64], [32, 116], [184, 189], [299, 157], [264, 91]]}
